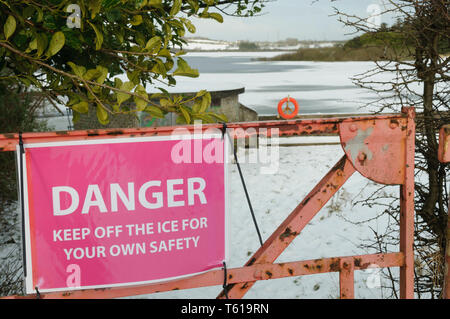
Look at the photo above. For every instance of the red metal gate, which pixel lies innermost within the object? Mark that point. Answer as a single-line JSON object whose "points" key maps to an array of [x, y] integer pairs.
{"points": [[379, 147]]}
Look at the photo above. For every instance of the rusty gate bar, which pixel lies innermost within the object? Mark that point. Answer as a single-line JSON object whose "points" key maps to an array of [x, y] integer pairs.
{"points": [[444, 157], [8, 141], [235, 275], [380, 147]]}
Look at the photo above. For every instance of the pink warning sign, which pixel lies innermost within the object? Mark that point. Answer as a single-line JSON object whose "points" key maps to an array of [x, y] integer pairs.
{"points": [[124, 211]]}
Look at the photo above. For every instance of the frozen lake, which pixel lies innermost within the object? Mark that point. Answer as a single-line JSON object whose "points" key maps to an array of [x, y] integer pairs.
{"points": [[319, 87]]}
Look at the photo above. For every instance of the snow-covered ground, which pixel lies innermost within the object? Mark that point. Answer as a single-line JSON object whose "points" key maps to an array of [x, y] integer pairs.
{"points": [[209, 45]]}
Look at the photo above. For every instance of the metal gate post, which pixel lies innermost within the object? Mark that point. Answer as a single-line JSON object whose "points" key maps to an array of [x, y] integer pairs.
{"points": [[444, 157], [347, 278], [407, 211]]}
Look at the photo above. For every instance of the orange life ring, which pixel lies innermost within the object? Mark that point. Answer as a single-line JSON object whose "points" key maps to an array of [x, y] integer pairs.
{"points": [[281, 111]]}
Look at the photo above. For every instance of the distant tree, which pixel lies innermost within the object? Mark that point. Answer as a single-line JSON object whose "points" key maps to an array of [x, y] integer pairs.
{"points": [[248, 46], [354, 43]]}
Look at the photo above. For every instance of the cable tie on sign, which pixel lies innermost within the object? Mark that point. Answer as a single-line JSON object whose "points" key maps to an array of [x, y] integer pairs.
{"points": [[224, 129], [22, 150], [224, 286], [38, 294]]}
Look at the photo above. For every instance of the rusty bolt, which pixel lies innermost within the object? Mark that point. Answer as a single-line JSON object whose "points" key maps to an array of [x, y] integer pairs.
{"points": [[353, 127], [362, 156], [393, 124]]}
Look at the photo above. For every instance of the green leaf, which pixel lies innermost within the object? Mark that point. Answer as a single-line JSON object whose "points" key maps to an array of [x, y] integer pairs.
{"points": [[118, 83], [94, 6], [136, 20], [25, 81], [114, 14], [122, 97], [201, 93], [194, 5], [154, 111], [103, 74], [165, 53], [220, 117], [56, 44], [169, 64], [175, 8], [154, 44], [42, 43], [201, 105], [191, 28], [216, 16], [82, 107], [40, 14], [180, 53], [33, 80], [206, 101], [107, 4], [91, 74], [134, 76], [155, 3], [32, 46], [165, 102], [159, 68], [140, 103], [78, 70], [205, 118], [9, 27], [196, 107], [102, 115], [98, 37], [185, 114], [183, 69]]}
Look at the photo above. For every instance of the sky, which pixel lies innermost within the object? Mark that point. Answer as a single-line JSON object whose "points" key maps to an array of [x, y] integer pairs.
{"points": [[281, 19]]}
